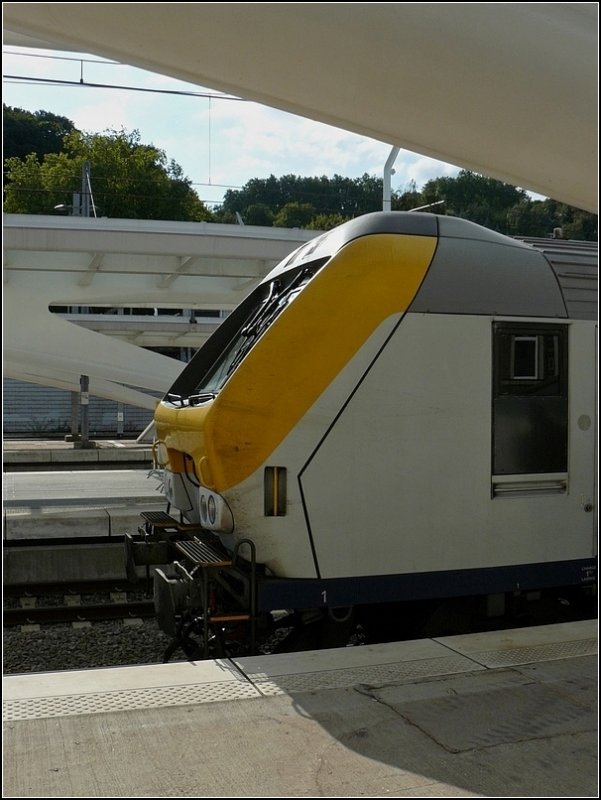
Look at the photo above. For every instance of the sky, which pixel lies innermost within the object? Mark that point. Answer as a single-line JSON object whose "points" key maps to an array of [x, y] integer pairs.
{"points": [[219, 142]]}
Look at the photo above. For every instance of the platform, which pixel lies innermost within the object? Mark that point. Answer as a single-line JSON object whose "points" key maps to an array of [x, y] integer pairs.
{"points": [[76, 502], [60, 454], [501, 714], [68, 504]]}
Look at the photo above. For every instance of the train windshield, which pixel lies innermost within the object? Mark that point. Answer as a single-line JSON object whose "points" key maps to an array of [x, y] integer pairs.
{"points": [[212, 365]]}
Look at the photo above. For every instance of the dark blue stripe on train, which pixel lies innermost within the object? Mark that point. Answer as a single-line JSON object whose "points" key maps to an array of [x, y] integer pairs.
{"points": [[274, 593]]}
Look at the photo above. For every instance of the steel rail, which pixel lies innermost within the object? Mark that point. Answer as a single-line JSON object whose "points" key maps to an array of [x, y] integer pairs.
{"points": [[78, 613]]}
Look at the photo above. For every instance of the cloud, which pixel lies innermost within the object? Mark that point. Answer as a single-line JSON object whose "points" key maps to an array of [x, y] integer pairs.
{"points": [[108, 111], [246, 140], [217, 142]]}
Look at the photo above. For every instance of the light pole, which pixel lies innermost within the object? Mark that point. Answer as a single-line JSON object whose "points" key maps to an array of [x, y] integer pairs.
{"points": [[83, 201], [84, 398], [388, 173]]}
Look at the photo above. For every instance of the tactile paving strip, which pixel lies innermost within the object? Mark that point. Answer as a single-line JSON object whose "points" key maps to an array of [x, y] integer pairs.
{"points": [[529, 655], [377, 674], [126, 700]]}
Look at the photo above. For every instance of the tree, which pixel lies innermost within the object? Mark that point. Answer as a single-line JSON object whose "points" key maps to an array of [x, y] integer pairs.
{"points": [[294, 215], [45, 153], [39, 132], [128, 179], [579, 224], [288, 201], [327, 196], [258, 214], [408, 199], [34, 188], [325, 222], [361, 195], [475, 197], [258, 191], [530, 218]]}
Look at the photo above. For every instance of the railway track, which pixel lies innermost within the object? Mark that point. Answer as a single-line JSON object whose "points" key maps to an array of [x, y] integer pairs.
{"points": [[82, 613], [30, 599], [76, 601], [45, 604]]}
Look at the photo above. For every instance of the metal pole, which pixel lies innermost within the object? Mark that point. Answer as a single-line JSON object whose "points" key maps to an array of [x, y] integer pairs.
{"points": [[85, 189], [74, 415], [84, 399], [388, 172], [120, 420], [430, 205], [76, 205]]}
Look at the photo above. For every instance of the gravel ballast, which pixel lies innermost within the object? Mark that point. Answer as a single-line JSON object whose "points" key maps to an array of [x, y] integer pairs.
{"points": [[54, 648]]}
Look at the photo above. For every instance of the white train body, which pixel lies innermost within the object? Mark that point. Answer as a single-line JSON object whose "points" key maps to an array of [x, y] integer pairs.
{"points": [[414, 418]]}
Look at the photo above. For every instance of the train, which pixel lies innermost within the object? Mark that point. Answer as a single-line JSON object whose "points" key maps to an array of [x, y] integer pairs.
{"points": [[403, 410]]}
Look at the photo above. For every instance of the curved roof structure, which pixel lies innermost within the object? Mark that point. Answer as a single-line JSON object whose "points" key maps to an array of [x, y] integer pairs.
{"points": [[95, 262], [508, 90]]}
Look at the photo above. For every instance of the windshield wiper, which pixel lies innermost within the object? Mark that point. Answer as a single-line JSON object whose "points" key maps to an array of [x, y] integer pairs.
{"points": [[191, 400], [269, 311], [196, 399]]}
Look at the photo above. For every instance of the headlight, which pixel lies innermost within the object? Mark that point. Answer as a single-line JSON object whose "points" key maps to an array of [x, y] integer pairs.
{"points": [[215, 514], [212, 512]]}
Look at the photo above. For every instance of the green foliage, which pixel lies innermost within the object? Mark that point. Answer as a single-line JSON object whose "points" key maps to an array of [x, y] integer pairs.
{"points": [[544, 217], [26, 189], [506, 209], [408, 199], [474, 197], [128, 179], [258, 214], [325, 222], [44, 156], [294, 215], [323, 203], [24, 132], [345, 197]]}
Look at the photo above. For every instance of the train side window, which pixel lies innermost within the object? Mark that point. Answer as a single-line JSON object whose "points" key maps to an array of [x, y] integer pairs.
{"points": [[524, 357], [530, 362], [530, 398]]}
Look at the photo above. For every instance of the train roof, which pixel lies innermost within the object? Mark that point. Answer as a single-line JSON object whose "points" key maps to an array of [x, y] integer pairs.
{"points": [[477, 270], [576, 267], [399, 222], [419, 224]]}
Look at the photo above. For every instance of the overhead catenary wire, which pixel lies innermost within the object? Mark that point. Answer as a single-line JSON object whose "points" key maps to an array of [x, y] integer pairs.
{"points": [[82, 83], [89, 85], [102, 62], [20, 79]]}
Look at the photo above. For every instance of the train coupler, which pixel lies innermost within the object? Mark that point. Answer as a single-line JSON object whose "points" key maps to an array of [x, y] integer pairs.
{"points": [[143, 552], [152, 545]]}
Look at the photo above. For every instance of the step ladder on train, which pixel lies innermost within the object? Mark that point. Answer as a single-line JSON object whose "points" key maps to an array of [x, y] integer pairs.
{"points": [[203, 593]]}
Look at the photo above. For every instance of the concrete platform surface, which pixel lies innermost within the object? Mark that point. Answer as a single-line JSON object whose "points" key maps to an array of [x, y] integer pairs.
{"points": [[502, 714], [14, 444], [77, 503], [44, 452], [64, 489]]}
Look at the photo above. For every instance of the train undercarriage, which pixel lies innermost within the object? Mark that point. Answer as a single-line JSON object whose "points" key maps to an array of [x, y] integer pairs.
{"points": [[212, 603]]}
